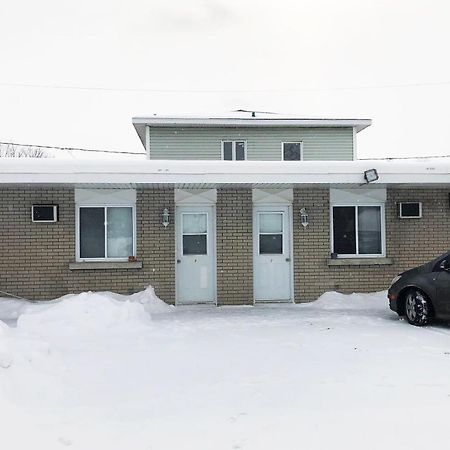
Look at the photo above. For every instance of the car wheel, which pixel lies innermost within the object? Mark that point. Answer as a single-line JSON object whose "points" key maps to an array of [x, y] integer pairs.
{"points": [[417, 308]]}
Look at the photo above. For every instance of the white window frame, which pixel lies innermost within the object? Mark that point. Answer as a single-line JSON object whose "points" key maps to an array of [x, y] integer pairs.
{"points": [[283, 233], [233, 148], [104, 206], [195, 234], [383, 231], [292, 142]]}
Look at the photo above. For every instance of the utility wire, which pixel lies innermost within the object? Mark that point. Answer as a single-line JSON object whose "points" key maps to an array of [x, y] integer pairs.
{"points": [[218, 91], [69, 149]]}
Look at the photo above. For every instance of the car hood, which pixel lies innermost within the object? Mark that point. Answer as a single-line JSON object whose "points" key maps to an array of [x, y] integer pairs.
{"points": [[424, 268]]}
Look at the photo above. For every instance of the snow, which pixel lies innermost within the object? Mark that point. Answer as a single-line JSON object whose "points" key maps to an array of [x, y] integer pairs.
{"points": [[217, 173], [100, 370]]}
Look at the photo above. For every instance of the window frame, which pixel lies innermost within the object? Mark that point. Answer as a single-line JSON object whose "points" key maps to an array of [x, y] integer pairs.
{"points": [[78, 258], [283, 230], [292, 142], [195, 234], [383, 231], [233, 149]]}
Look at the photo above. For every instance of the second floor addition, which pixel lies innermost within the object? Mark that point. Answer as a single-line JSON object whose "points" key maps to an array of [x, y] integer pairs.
{"points": [[253, 138]]}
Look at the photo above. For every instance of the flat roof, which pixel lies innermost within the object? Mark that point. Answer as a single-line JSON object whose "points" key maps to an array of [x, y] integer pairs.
{"points": [[243, 120], [216, 174]]}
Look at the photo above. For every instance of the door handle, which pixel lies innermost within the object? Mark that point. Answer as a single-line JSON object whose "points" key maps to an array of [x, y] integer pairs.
{"points": [[178, 261]]}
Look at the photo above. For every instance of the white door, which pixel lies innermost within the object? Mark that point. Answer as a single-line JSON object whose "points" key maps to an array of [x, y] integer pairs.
{"points": [[195, 271], [272, 254]]}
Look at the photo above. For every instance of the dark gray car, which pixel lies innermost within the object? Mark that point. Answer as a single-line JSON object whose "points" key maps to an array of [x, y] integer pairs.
{"points": [[423, 293]]}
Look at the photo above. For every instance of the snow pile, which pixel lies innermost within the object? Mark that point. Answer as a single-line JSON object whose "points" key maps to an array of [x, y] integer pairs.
{"points": [[89, 312], [5, 353], [337, 301]]}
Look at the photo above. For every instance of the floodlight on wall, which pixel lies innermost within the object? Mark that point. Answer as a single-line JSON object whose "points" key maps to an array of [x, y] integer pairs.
{"points": [[165, 217], [371, 175], [304, 217]]}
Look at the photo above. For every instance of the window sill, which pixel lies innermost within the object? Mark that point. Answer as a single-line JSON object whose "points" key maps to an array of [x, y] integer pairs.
{"points": [[359, 262], [105, 265]]}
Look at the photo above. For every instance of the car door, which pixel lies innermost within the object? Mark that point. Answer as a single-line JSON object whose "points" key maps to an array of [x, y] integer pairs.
{"points": [[442, 283]]}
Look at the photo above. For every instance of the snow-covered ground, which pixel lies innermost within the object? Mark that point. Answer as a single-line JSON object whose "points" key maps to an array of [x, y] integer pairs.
{"points": [[103, 371]]}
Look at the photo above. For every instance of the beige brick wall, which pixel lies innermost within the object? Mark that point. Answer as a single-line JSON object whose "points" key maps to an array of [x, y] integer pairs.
{"points": [[234, 247], [35, 257], [409, 242]]}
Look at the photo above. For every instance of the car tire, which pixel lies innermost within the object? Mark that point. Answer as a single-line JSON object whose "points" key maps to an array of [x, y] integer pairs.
{"points": [[417, 308]]}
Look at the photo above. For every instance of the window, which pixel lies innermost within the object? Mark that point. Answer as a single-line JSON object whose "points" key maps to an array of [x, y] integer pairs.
{"points": [[105, 232], [291, 151], [271, 233], [358, 230], [234, 150], [195, 233]]}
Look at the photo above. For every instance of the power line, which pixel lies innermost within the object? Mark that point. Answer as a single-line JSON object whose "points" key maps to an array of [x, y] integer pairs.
{"points": [[49, 147], [223, 91]]}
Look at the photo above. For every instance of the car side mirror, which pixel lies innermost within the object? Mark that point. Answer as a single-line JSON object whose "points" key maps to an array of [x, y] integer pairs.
{"points": [[445, 265]]}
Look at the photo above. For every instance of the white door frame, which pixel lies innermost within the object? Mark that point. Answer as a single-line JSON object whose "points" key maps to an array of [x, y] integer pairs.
{"points": [[291, 246], [211, 241]]}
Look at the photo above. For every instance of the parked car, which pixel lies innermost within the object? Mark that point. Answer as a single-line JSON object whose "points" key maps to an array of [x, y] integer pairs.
{"points": [[423, 293]]}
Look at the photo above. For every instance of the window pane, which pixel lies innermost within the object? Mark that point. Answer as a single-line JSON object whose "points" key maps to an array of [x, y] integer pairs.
{"points": [[271, 223], [92, 232], [120, 232], [194, 244], [270, 244], [291, 151], [344, 234], [240, 151], [369, 230], [227, 151], [194, 223]]}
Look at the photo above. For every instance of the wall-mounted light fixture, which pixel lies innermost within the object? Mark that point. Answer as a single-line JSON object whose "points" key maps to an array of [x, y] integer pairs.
{"points": [[304, 217], [371, 175], [165, 217]]}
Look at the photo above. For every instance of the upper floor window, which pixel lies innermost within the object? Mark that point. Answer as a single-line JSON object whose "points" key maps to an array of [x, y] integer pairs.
{"points": [[234, 150], [291, 151]]}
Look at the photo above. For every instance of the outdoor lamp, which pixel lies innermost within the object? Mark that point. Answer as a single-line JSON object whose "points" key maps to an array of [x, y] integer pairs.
{"points": [[371, 175], [165, 217], [304, 217]]}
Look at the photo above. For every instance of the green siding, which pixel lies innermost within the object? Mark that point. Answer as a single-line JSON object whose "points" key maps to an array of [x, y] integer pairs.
{"points": [[319, 144]]}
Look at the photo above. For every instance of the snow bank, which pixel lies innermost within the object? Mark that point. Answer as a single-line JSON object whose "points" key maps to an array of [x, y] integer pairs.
{"points": [[92, 312], [337, 301]]}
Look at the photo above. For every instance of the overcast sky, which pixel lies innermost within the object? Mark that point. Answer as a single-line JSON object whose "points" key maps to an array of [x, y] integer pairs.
{"points": [[384, 60]]}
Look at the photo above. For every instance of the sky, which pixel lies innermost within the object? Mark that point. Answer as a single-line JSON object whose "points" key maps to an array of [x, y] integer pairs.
{"points": [[74, 73]]}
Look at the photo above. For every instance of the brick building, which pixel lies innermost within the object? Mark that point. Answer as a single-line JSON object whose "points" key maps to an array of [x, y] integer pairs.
{"points": [[287, 214]]}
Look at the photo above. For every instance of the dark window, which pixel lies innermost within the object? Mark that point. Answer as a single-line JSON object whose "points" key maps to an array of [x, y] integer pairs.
{"points": [[362, 237], [194, 244], [116, 241], [92, 232], [271, 244], [344, 233], [227, 151], [240, 151], [292, 151], [233, 150]]}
